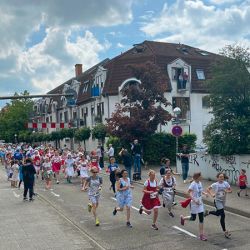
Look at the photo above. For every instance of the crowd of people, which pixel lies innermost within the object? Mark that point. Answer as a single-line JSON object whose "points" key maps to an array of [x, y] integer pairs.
{"points": [[24, 163]]}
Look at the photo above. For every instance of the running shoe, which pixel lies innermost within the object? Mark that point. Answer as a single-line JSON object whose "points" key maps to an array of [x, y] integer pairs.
{"points": [[154, 227], [227, 235], [25, 199], [57, 182], [129, 224], [182, 220], [246, 194], [89, 207], [163, 204], [174, 203], [140, 210], [115, 211], [238, 193], [171, 214], [31, 199], [97, 222], [203, 237]]}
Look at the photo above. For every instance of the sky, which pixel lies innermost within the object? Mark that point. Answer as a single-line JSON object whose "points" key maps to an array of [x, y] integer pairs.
{"points": [[42, 40]]}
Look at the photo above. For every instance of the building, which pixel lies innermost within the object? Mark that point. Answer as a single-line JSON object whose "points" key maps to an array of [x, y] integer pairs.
{"points": [[98, 89]]}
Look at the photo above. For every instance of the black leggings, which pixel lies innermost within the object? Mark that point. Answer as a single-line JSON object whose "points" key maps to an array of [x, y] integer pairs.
{"points": [[20, 182], [112, 180], [201, 217], [221, 213]]}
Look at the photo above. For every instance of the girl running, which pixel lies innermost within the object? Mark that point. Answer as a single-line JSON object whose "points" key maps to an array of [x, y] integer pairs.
{"points": [[69, 162], [83, 167], [167, 184], [94, 186], [195, 192], [150, 199], [124, 194], [242, 182], [56, 165], [47, 172], [220, 188]]}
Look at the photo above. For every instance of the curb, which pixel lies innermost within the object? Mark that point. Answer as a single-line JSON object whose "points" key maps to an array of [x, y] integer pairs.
{"points": [[211, 203]]}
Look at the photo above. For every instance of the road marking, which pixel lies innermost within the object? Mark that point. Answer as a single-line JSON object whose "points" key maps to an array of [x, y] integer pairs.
{"points": [[57, 195], [16, 195], [135, 208], [185, 231]]}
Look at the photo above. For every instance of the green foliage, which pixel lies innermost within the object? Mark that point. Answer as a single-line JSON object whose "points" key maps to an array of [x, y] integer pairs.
{"points": [[83, 134], [67, 132], [99, 132], [228, 132], [14, 116], [143, 106]]}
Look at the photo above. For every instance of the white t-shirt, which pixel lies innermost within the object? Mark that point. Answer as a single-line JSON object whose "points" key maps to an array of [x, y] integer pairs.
{"points": [[197, 190], [219, 189]]}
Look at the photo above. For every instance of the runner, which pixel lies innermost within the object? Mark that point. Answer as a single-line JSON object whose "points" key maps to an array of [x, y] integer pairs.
{"points": [[56, 165], [69, 162], [195, 192], [220, 188], [112, 168], [167, 184], [150, 199], [124, 194], [94, 186], [47, 172], [36, 158], [242, 182], [83, 167]]}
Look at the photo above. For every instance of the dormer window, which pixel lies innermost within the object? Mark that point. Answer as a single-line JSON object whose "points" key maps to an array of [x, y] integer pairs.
{"points": [[200, 74]]}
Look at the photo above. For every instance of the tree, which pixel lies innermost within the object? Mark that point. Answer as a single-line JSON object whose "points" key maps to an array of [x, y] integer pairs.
{"points": [[229, 131], [83, 134], [143, 106], [99, 132], [14, 116]]}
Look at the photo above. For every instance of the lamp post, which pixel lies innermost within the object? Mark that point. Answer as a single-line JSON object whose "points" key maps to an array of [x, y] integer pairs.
{"points": [[177, 130]]}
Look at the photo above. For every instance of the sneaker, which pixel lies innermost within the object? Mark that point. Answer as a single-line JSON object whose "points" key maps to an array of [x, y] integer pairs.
{"points": [[182, 220], [171, 214], [57, 182], [246, 194], [203, 237], [206, 213], [115, 211], [97, 222], [238, 193], [184, 181], [129, 224], [227, 235], [89, 207], [140, 210], [174, 203], [154, 227], [31, 199], [25, 199], [163, 204]]}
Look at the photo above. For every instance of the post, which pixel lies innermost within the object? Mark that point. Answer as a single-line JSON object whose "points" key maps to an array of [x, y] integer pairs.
{"points": [[176, 150]]}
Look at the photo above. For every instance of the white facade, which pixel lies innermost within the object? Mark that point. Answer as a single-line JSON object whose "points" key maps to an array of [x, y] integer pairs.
{"points": [[193, 119]]}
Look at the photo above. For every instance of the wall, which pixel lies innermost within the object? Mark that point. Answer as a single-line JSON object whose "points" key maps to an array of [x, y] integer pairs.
{"points": [[211, 165]]}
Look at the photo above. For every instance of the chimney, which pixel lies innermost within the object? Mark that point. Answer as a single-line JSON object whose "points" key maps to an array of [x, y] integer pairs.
{"points": [[78, 69]]}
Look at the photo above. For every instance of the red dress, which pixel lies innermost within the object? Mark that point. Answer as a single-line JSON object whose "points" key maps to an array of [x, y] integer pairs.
{"points": [[150, 202], [56, 164]]}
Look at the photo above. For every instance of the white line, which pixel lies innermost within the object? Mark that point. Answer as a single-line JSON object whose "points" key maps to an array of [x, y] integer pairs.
{"points": [[16, 195], [57, 195], [135, 208], [185, 231]]}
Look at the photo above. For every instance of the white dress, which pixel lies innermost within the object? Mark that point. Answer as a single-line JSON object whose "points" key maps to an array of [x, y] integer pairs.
{"points": [[69, 167], [197, 190], [83, 169]]}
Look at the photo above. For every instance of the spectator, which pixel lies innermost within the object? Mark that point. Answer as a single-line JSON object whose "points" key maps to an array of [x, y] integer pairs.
{"points": [[184, 162], [127, 161], [136, 150], [111, 151]]}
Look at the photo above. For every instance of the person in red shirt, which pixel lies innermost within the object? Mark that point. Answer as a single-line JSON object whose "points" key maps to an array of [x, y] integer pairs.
{"points": [[242, 182]]}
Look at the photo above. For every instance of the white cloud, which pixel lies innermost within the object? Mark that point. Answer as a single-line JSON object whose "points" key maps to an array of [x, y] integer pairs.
{"points": [[219, 2], [120, 45], [50, 61], [195, 23]]}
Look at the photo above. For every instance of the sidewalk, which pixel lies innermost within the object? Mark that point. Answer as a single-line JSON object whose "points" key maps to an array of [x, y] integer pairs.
{"points": [[34, 225], [234, 204]]}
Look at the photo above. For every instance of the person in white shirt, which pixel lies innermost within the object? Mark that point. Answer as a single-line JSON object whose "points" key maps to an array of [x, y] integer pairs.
{"points": [[111, 151], [195, 192]]}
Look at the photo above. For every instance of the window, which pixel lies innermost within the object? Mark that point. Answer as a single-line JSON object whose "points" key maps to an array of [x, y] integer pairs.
{"points": [[184, 104], [66, 116], [203, 53], [205, 102], [200, 74], [61, 117]]}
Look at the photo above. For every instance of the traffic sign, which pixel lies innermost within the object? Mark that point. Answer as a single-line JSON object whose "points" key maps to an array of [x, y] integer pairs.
{"points": [[177, 130]]}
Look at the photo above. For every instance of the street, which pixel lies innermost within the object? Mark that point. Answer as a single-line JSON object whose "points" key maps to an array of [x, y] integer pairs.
{"points": [[73, 227]]}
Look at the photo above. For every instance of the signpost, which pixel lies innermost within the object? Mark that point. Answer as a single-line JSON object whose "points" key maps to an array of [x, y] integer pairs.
{"points": [[177, 131]]}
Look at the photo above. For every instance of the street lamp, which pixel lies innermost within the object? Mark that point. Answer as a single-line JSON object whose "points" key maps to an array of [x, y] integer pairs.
{"points": [[177, 130]]}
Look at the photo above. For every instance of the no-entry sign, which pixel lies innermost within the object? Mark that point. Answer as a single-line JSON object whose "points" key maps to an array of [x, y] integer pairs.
{"points": [[177, 130]]}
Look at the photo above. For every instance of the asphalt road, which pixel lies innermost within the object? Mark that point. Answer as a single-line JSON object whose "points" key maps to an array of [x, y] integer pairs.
{"points": [[70, 204]]}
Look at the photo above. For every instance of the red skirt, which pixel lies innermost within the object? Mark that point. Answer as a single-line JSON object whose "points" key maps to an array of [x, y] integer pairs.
{"points": [[149, 203], [56, 166]]}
